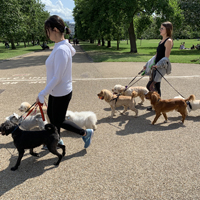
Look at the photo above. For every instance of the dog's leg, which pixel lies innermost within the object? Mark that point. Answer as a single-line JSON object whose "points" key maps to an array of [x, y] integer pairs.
{"points": [[156, 118], [142, 100], [112, 112], [125, 109], [21, 153], [33, 153], [63, 149], [135, 110], [165, 116], [94, 127], [53, 149], [183, 117]]}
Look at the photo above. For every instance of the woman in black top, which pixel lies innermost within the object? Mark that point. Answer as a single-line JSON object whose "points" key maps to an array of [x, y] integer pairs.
{"points": [[163, 50]]}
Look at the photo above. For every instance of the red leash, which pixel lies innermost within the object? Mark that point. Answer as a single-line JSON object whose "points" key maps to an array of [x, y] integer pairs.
{"points": [[41, 111]]}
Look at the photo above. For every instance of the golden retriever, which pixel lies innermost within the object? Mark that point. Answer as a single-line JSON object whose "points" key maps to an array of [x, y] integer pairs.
{"points": [[115, 101], [139, 91], [163, 106]]}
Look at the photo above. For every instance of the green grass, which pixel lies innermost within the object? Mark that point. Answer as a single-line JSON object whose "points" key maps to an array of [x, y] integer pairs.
{"points": [[146, 49], [20, 50]]}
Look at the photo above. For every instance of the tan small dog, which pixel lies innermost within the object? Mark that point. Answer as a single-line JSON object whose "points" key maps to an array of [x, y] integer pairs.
{"points": [[115, 101], [139, 91], [163, 106], [25, 106]]}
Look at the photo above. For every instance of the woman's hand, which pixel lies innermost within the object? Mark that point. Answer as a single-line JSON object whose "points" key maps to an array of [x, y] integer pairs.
{"points": [[154, 66], [37, 100]]}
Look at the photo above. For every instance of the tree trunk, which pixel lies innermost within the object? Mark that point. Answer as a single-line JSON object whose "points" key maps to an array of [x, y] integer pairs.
{"points": [[109, 44], [118, 41], [33, 40], [24, 43], [12, 44], [99, 42], [103, 42], [132, 38]]}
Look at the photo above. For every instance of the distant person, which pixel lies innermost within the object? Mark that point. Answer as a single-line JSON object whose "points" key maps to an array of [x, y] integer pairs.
{"points": [[74, 41], [192, 46], [7, 44]]}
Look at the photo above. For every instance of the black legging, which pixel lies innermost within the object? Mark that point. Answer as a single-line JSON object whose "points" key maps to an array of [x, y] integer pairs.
{"points": [[157, 86], [56, 111]]}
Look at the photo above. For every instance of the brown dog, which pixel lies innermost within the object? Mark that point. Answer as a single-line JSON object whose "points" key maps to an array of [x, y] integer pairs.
{"points": [[163, 106], [115, 101]]}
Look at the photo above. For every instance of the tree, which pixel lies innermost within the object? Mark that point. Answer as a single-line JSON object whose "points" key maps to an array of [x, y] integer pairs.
{"points": [[11, 20], [191, 11]]}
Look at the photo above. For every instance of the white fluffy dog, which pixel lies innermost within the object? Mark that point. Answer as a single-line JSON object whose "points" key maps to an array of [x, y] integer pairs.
{"points": [[29, 122], [140, 91], [85, 119]]}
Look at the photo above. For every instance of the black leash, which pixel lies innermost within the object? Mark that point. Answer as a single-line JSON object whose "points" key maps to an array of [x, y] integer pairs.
{"points": [[169, 83], [126, 87]]}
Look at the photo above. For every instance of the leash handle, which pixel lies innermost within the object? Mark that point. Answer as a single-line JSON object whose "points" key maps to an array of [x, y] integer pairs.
{"points": [[41, 111]]}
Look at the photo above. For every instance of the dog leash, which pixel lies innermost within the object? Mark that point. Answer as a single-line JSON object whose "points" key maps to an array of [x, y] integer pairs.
{"points": [[126, 87], [169, 83]]}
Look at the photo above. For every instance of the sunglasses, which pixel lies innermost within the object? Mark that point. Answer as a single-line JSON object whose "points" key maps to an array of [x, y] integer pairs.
{"points": [[161, 29]]}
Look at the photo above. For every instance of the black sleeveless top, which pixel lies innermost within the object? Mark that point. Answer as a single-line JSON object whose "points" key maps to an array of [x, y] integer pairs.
{"points": [[160, 51]]}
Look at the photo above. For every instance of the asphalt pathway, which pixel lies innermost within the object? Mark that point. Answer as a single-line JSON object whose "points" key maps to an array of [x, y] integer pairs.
{"points": [[128, 159]]}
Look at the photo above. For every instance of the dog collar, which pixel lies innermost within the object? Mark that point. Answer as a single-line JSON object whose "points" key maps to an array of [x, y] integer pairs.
{"points": [[189, 104]]}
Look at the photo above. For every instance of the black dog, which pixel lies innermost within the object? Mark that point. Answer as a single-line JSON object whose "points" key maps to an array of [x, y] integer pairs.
{"points": [[31, 139]]}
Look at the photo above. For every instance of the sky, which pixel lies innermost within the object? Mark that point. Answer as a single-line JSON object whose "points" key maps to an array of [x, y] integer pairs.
{"points": [[62, 8]]}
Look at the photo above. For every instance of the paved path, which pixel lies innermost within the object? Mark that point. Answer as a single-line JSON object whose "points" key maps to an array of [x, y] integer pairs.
{"points": [[128, 159]]}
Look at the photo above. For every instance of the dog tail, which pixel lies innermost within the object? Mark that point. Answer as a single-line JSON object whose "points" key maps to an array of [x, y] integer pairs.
{"points": [[190, 98], [50, 128], [134, 94]]}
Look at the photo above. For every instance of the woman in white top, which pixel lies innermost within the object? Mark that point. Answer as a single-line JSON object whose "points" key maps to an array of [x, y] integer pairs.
{"points": [[59, 79]]}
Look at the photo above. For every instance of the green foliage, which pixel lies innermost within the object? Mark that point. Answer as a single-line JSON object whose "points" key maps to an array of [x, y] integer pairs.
{"points": [[146, 49], [97, 19], [22, 20], [191, 12]]}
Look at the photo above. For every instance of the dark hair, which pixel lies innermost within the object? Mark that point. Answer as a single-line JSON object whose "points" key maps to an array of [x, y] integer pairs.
{"points": [[55, 21], [169, 28]]}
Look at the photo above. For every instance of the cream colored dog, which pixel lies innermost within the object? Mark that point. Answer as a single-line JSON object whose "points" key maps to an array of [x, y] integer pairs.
{"points": [[139, 91], [25, 106], [115, 101]]}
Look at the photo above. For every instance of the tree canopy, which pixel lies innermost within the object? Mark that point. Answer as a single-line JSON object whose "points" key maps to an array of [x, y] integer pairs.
{"points": [[22, 20], [113, 19]]}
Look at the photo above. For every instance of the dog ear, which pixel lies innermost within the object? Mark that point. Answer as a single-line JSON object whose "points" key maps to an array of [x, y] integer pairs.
{"points": [[134, 94], [154, 98], [107, 96]]}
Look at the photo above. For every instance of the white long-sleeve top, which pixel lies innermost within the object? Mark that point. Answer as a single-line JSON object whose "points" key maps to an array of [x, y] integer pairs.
{"points": [[59, 71]]}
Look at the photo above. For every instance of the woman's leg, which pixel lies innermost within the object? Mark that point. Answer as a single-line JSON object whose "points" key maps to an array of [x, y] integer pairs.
{"points": [[57, 114], [57, 109], [157, 87]]}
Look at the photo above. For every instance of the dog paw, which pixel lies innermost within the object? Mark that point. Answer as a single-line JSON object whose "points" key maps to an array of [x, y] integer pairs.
{"points": [[165, 121], [56, 164], [14, 168]]}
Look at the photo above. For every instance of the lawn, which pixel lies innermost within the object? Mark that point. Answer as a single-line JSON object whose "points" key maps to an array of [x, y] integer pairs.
{"points": [[146, 49], [20, 50]]}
